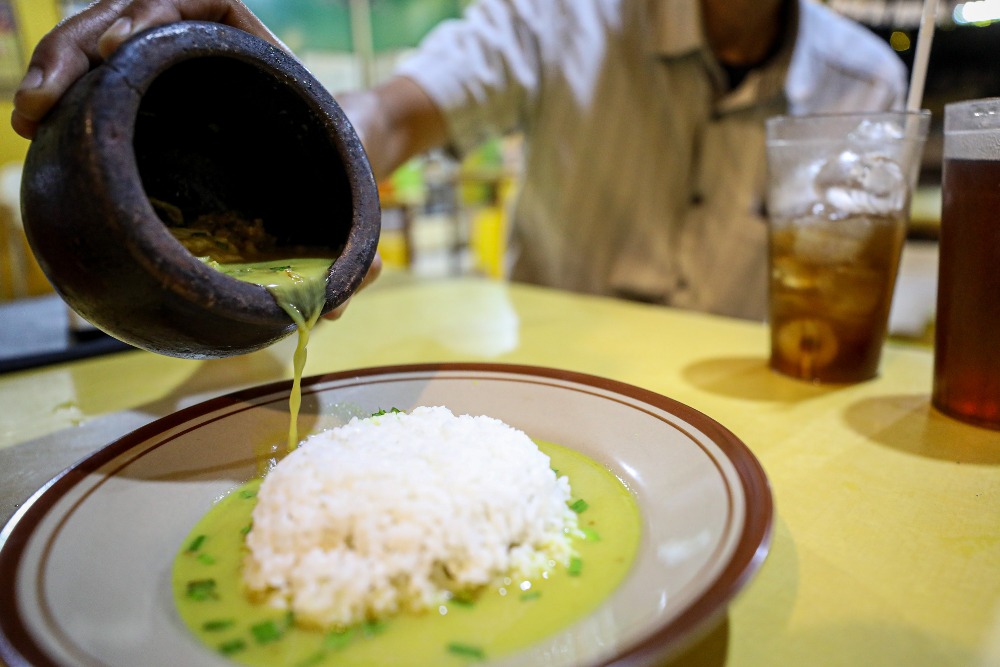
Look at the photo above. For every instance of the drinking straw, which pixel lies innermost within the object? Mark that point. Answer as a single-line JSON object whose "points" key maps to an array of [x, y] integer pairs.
{"points": [[918, 74]]}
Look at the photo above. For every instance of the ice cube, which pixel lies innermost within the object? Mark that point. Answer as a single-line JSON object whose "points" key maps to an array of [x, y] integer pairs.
{"points": [[832, 240], [792, 194], [851, 292], [870, 132], [854, 183], [791, 275]]}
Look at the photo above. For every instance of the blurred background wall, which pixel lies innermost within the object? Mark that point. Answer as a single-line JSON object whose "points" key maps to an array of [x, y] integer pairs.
{"points": [[22, 24]]}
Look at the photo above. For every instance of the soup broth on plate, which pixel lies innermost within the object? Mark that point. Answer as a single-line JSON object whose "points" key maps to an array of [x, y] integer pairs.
{"points": [[502, 618]]}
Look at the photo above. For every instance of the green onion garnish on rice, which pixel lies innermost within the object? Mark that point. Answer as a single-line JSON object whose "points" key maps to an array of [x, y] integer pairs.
{"points": [[266, 632], [575, 567], [232, 646], [462, 600], [196, 543], [338, 639], [372, 628], [466, 650], [579, 506], [201, 589], [218, 624]]}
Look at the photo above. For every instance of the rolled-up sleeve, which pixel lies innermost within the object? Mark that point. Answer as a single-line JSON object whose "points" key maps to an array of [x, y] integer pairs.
{"points": [[482, 70]]}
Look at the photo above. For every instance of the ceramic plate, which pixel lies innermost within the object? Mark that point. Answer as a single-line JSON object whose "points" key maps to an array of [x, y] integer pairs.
{"points": [[86, 562]]}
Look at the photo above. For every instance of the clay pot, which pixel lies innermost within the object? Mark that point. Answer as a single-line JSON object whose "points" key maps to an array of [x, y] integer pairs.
{"points": [[210, 119]]}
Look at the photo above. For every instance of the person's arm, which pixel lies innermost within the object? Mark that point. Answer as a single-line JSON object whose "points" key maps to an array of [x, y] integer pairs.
{"points": [[85, 39], [396, 121]]}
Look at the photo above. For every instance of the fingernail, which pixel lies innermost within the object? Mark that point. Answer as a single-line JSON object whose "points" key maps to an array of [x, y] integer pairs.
{"points": [[119, 28], [32, 79]]}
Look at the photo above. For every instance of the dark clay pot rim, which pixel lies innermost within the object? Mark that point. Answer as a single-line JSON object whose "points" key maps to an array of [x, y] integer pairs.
{"points": [[131, 71]]}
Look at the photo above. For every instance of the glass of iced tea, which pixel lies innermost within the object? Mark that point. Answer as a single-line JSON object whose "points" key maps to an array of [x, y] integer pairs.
{"points": [[966, 361], [839, 190]]}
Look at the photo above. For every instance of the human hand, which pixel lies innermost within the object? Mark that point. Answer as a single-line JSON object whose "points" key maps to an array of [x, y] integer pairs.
{"points": [[84, 40]]}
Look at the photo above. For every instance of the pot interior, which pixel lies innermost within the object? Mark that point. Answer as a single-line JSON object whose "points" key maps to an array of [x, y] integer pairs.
{"points": [[217, 135]]}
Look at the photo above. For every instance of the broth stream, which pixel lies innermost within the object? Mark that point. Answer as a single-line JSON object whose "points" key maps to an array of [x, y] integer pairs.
{"points": [[242, 248], [299, 287]]}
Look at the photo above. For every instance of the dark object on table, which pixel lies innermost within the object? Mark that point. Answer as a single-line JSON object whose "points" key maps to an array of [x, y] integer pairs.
{"points": [[211, 120], [35, 331]]}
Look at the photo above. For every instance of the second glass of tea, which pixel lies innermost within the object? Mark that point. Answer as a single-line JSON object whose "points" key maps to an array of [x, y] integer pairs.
{"points": [[966, 363]]}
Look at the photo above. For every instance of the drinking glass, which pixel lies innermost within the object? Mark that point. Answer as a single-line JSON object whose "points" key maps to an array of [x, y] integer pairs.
{"points": [[839, 190], [966, 361]]}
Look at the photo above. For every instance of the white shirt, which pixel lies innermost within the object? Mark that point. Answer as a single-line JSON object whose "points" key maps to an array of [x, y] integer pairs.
{"points": [[644, 176]]}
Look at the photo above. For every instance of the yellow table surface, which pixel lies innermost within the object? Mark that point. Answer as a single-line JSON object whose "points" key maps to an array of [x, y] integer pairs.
{"points": [[886, 546]]}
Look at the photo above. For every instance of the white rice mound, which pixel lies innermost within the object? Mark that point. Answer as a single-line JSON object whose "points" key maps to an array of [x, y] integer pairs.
{"points": [[402, 511]]}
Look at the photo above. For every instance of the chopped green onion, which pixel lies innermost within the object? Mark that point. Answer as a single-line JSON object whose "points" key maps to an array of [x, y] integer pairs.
{"points": [[338, 639], [466, 650], [246, 529], [266, 632], [372, 628], [590, 534], [206, 559], [232, 646], [463, 601], [196, 543], [382, 412], [217, 625], [247, 493], [531, 595], [201, 589], [575, 567], [579, 506]]}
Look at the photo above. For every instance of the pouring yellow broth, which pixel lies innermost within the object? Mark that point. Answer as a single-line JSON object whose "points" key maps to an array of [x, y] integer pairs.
{"points": [[503, 618], [242, 248], [299, 288]]}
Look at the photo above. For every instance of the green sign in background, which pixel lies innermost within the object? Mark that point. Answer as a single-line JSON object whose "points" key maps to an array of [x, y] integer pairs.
{"points": [[325, 25]]}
